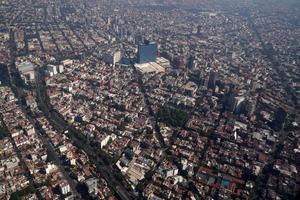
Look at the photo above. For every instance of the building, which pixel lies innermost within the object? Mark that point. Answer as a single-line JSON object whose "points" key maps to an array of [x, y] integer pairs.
{"points": [[150, 67], [52, 70], [212, 80], [91, 184], [112, 57], [27, 71], [165, 63], [104, 140], [2, 189], [236, 103], [250, 106], [147, 52], [64, 188], [139, 39], [67, 62], [179, 62], [170, 172], [190, 88], [49, 168], [191, 62], [60, 69]]}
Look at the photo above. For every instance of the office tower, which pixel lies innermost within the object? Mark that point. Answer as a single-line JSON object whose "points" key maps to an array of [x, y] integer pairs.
{"points": [[236, 103], [250, 106], [147, 52], [212, 80], [191, 63], [112, 57]]}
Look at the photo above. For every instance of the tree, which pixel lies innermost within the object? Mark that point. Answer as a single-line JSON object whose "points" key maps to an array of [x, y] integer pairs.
{"points": [[3, 133], [18, 194], [172, 116], [128, 153]]}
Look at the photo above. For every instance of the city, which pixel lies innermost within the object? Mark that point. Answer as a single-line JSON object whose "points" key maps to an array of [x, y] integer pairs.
{"points": [[157, 99]]}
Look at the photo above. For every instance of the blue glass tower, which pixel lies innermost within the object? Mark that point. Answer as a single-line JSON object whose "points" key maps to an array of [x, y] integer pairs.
{"points": [[147, 52]]}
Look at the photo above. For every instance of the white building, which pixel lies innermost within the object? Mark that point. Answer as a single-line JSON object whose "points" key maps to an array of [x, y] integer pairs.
{"points": [[60, 69], [159, 66], [104, 140], [64, 188], [30, 131], [50, 168], [2, 189], [27, 71], [170, 172], [239, 101], [236, 103], [163, 62], [10, 163], [52, 70], [116, 57], [67, 62], [112, 57], [184, 163], [92, 184], [62, 149], [151, 67]]}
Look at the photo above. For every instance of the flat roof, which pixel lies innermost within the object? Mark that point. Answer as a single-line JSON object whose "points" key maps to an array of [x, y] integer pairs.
{"points": [[149, 67], [162, 59], [25, 67]]}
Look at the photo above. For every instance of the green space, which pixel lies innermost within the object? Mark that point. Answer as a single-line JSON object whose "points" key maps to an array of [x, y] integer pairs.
{"points": [[172, 116], [19, 194], [3, 133]]}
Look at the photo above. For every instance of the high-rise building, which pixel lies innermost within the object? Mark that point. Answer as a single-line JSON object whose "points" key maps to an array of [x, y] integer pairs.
{"points": [[236, 103], [250, 106], [112, 57], [191, 62], [147, 52], [212, 80], [139, 39]]}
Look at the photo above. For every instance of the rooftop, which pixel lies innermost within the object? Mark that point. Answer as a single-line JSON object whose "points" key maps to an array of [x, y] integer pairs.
{"points": [[149, 67], [25, 67]]}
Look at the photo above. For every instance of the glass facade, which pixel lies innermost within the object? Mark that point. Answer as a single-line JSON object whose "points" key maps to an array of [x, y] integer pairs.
{"points": [[147, 52]]}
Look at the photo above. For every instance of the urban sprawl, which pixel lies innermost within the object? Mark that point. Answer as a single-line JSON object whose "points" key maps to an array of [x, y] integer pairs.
{"points": [[131, 99]]}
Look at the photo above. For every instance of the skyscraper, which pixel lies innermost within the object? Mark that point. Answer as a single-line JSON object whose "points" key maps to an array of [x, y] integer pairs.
{"points": [[147, 52], [212, 80], [190, 63]]}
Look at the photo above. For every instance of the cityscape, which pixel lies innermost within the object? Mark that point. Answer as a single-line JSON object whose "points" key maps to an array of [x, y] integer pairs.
{"points": [[149, 100]]}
